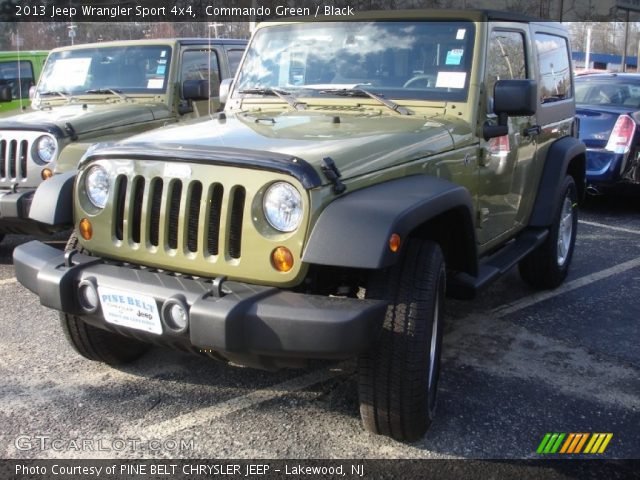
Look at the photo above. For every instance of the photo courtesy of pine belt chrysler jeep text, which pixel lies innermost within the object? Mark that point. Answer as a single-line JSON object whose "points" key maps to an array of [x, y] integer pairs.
{"points": [[360, 172]]}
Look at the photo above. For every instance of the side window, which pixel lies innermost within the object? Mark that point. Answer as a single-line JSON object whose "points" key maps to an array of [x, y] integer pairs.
{"points": [[234, 57], [9, 76], [196, 65], [506, 58], [555, 71]]}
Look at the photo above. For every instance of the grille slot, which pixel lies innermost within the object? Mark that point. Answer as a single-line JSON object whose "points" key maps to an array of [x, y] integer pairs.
{"points": [[235, 224], [3, 158], [24, 145], [136, 219], [215, 208], [120, 195], [156, 204], [11, 158], [194, 216], [174, 213]]}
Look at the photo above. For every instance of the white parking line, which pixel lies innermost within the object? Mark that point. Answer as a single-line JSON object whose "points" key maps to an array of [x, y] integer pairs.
{"points": [[567, 287], [610, 227], [7, 281], [206, 415]]}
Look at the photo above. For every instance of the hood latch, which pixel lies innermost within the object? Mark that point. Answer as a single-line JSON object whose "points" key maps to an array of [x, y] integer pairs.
{"points": [[332, 174]]}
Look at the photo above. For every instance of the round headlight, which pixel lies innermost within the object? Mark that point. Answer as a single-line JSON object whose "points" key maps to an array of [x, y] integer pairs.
{"points": [[96, 183], [46, 148], [282, 206]]}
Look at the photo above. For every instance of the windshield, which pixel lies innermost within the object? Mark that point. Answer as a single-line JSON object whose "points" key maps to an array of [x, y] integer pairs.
{"points": [[403, 60], [607, 92], [136, 69]]}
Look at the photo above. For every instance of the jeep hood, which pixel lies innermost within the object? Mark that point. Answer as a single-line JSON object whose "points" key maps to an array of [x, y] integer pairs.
{"points": [[357, 144], [86, 118]]}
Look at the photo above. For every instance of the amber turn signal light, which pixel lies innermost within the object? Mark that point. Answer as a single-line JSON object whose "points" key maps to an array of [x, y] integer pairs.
{"points": [[86, 229], [394, 242], [46, 173], [282, 259]]}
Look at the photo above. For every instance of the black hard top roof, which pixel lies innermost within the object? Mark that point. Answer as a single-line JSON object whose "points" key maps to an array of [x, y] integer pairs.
{"points": [[218, 41]]}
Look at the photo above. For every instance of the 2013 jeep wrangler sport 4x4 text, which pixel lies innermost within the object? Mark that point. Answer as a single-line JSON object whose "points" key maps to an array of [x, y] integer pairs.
{"points": [[359, 172]]}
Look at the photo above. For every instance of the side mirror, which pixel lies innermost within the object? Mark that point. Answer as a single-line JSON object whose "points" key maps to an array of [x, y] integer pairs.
{"points": [[5, 93], [511, 98], [225, 88], [195, 90], [32, 92]]}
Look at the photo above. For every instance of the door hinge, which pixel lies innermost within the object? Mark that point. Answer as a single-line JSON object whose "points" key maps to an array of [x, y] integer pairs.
{"points": [[482, 217]]}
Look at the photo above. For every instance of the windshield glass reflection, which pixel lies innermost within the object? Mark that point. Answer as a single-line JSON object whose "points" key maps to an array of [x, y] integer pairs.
{"points": [[423, 60]]}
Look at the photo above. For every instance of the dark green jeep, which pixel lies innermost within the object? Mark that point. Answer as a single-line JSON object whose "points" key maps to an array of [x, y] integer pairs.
{"points": [[104, 92], [360, 172]]}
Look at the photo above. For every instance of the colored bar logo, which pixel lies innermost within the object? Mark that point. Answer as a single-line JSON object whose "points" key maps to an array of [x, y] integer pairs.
{"points": [[585, 443]]}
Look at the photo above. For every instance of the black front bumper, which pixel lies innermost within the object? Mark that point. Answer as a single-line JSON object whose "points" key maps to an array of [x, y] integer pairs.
{"points": [[14, 213], [15, 204], [245, 319]]}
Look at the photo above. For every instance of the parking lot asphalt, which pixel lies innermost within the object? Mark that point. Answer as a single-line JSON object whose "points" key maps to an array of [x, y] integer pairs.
{"points": [[517, 364]]}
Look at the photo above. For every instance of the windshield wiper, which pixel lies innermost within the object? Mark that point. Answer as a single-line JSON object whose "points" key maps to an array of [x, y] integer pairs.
{"points": [[361, 92], [59, 93], [108, 91], [286, 96]]}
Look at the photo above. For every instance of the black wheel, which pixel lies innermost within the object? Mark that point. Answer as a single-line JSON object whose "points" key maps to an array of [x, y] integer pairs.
{"points": [[94, 343], [548, 265], [398, 378]]}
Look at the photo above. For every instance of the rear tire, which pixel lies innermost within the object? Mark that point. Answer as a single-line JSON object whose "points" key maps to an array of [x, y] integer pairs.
{"points": [[398, 378], [95, 343], [548, 265]]}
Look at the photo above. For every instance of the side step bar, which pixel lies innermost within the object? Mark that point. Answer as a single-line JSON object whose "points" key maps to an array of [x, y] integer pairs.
{"points": [[464, 286]]}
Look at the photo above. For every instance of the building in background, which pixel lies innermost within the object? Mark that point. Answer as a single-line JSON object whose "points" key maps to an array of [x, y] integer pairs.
{"points": [[602, 62]]}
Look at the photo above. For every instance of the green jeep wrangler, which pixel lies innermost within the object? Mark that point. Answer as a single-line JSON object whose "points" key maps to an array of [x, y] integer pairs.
{"points": [[359, 172], [19, 71], [104, 92]]}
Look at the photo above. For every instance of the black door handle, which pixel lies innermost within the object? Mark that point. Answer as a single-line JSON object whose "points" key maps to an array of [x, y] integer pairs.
{"points": [[531, 131]]}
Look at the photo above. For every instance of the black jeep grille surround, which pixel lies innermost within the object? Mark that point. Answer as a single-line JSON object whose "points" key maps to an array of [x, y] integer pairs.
{"points": [[13, 159], [184, 204]]}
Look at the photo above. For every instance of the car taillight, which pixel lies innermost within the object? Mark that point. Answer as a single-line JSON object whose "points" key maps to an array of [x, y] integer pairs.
{"points": [[621, 135]]}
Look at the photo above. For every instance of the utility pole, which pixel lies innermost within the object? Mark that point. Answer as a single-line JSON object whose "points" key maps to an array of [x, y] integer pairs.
{"points": [[626, 41], [72, 32], [587, 54]]}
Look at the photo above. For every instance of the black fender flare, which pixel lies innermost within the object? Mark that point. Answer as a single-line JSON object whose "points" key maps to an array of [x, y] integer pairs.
{"points": [[557, 164], [354, 230], [53, 201]]}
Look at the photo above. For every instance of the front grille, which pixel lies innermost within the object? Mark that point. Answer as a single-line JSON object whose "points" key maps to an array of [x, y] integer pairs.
{"points": [[18, 167], [13, 159], [178, 215], [200, 219]]}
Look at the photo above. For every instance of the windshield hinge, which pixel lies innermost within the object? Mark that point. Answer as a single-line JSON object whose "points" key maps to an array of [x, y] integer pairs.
{"points": [[333, 175]]}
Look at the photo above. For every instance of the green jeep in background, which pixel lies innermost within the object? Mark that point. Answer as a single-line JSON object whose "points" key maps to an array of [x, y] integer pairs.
{"points": [[19, 71], [104, 92], [360, 172]]}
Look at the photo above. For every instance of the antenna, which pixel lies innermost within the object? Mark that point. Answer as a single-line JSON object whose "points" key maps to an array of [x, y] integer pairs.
{"points": [[215, 29], [18, 42]]}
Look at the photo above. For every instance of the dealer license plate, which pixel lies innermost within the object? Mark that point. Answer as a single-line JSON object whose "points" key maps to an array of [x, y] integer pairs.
{"points": [[130, 310]]}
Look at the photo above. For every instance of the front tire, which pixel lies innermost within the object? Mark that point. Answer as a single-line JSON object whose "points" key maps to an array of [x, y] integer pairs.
{"points": [[398, 378], [548, 265], [95, 343]]}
